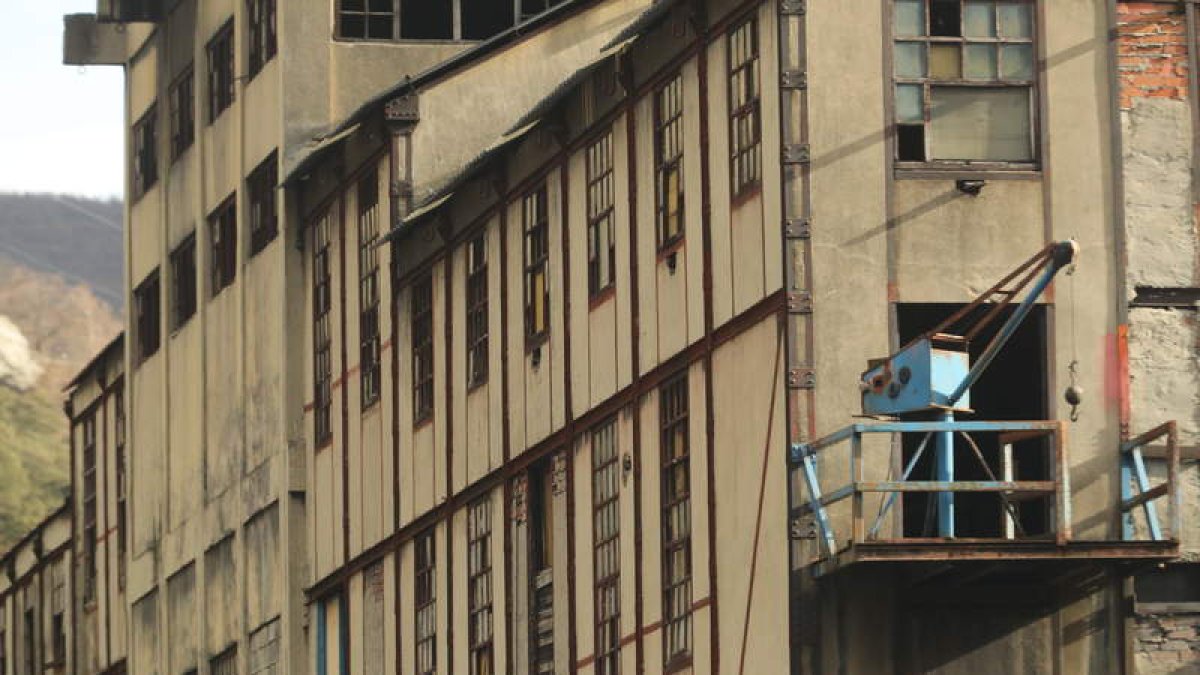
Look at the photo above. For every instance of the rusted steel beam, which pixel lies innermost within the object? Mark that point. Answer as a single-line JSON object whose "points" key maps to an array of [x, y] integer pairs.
{"points": [[1152, 435], [1154, 493], [1032, 487]]}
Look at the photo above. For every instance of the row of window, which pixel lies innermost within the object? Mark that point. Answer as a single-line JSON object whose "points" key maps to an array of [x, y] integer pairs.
{"points": [[181, 93], [56, 657], [433, 19], [262, 208], [87, 439]]}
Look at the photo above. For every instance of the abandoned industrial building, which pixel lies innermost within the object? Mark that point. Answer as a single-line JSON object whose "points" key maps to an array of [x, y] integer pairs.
{"points": [[553, 337]]}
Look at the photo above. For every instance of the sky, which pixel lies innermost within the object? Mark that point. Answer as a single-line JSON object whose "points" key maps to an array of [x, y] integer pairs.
{"points": [[60, 126]]}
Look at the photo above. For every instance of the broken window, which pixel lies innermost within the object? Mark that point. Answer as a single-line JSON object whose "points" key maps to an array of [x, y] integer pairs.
{"points": [[668, 161], [367, 19], [479, 586], [368, 288], [477, 311], [481, 19], [222, 233], [183, 282], [322, 303], [145, 157], [541, 568], [182, 100], [745, 110], [535, 220], [146, 303], [224, 663], [264, 212], [965, 76], [87, 432], [262, 34], [422, 348], [118, 398], [602, 247], [425, 596], [606, 544], [676, 519], [427, 19], [220, 72]]}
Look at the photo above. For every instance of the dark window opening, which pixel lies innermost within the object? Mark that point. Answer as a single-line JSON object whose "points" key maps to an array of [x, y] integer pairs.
{"points": [[322, 303], [536, 223], [183, 282], [145, 152], [606, 547], [222, 232], [481, 19], [263, 43], [182, 98], [945, 18], [146, 303], [602, 245], [367, 19], [220, 72], [427, 20], [225, 663], [90, 533], [422, 349], [118, 398], [425, 606], [541, 568], [1013, 388], [674, 440], [531, 8], [668, 160], [477, 311], [264, 212], [479, 587], [368, 288], [910, 142], [31, 642], [1176, 584], [745, 112]]}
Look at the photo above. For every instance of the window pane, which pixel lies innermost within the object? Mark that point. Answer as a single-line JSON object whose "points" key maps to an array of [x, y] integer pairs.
{"points": [[1016, 20], [945, 18], [979, 61], [945, 62], [976, 123], [979, 19], [1016, 62], [909, 99], [910, 18], [910, 59]]}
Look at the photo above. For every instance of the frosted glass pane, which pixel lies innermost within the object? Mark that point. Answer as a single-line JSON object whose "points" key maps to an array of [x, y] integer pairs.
{"points": [[1016, 20], [980, 123], [979, 62], [979, 19], [910, 18], [1016, 62], [945, 62], [910, 59], [909, 104]]}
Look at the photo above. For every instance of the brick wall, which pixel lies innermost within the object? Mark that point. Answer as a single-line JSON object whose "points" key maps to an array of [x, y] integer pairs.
{"points": [[1152, 51], [1168, 644]]}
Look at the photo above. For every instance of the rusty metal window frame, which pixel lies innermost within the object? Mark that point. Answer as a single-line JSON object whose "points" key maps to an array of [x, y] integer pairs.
{"points": [[676, 519], [183, 282], [264, 209], [745, 107], [477, 310], [368, 289], [181, 101], [222, 236], [928, 82], [122, 478], [668, 161], [145, 152], [263, 42], [425, 603], [147, 302], [90, 510], [221, 93], [479, 586], [535, 221], [322, 306], [606, 547], [601, 222], [421, 323]]}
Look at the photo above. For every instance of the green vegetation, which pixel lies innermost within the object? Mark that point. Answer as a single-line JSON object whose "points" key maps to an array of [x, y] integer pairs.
{"points": [[34, 460]]}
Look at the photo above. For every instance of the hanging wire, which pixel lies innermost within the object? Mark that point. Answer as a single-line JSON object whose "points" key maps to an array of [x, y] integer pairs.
{"points": [[1073, 390]]}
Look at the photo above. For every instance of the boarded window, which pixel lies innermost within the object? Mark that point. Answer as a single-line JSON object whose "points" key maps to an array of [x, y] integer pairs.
{"points": [[222, 234], [606, 543], [422, 348], [145, 152], [477, 311], [536, 225], [264, 212], [373, 619], [425, 596], [264, 650], [479, 586], [965, 74], [676, 519], [322, 303], [183, 282], [182, 99], [220, 72], [368, 287], [668, 161], [745, 111], [146, 299], [602, 247], [263, 43]]}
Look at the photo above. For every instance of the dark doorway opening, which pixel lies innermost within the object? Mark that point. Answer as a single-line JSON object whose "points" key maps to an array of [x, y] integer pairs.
{"points": [[1013, 388], [427, 20]]}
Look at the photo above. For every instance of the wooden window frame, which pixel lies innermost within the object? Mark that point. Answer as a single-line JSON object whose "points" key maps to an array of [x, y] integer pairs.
{"points": [[261, 188], [601, 219], [147, 301], [322, 309], [477, 310], [606, 547], [145, 152], [90, 506], [222, 662], [221, 80], [745, 108], [535, 221], [58, 613], [540, 521], [184, 298], [341, 13], [181, 99], [675, 481], [368, 290], [668, 161], [425, 603], [480, 633], [222, 237], [421, 324], [263, 41], [928, 82]]}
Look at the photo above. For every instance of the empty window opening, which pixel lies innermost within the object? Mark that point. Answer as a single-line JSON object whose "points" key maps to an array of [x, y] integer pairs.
{"points": [[477, 311], [422, 349], [146, 303], [322, 303], [1174, 587], [263, 43], [427, 20], [367, 19], [481, 19], [182, 98], [264, 213], [1012, 388], [145, 152], [87, 431], [225, 663], [541, 568], [222, 233], [118, 399], [531, 8], [183, 282], [945, 18], [220, 72], [368, 288]]}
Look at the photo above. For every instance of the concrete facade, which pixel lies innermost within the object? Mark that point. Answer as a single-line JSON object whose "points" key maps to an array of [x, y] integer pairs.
{"points": [[37, 626]]}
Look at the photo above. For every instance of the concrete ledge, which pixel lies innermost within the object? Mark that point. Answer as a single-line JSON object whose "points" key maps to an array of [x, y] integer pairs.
{"points": [[88, 42]]}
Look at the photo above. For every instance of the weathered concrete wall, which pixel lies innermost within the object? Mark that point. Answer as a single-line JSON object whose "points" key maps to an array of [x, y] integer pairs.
{"points": [[1168, 644]]}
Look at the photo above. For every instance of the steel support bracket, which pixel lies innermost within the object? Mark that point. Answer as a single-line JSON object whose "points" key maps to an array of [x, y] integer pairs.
{"points": [[796, 153], [799, 302], [792, 7], [797, 452], [793, 79], [801, 529], [797, 228], [802, 378]]}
